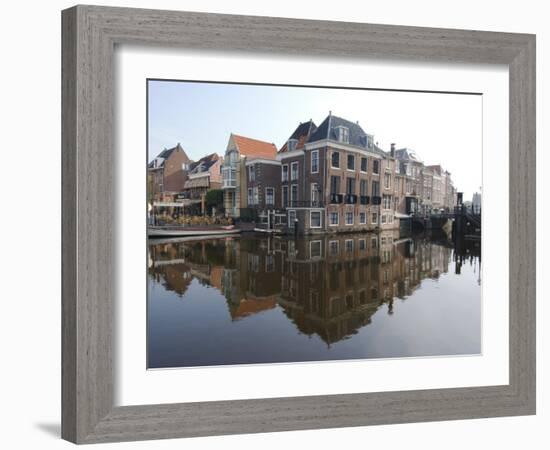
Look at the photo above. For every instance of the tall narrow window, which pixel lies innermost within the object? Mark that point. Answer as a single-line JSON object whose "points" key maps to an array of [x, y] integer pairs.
{"points": [[294, 171], [351, 162], [285, 196], [386, 201], [315, 161], [376, 166], [335, 160], [363, 187], [284, 173], [255, 195], [350, 185], [251, 173], [375, 189], [269, 196], [292, 143], [387, 181], [364, 164], [293, 194], [334, 184], [314, 194]]}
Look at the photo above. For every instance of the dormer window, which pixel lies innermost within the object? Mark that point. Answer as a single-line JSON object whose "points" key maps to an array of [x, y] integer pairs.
{"points": [[342, 134], [292, 144]]}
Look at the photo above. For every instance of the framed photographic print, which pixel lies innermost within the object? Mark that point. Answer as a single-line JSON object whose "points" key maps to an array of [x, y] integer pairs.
{"points": [[267, 230]]}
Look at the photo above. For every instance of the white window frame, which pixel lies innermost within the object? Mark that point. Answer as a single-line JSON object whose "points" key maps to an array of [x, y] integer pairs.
{"points": [[346, 218], [316, 153], [272, 196], [364, 241], [347, 162], [314, 194], [320, 249], [292, 144], [337, 218], [337, 247], [292, 171], [374, 218], [339, 162], [342, 134], [283, 177], [320, 219], [360, 164], [384, 197], [291, 199], [362, 222], [250, 196], [383, 219], [373, 166], [291, 212], [350, 250], [387, 177], [255, 195], [251, 173], [285, 188]]}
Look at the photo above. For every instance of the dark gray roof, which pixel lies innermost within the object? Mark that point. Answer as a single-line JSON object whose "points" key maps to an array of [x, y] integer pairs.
{"points": [[205, 163], [305, 129], [406, 154], [357, 136], [165, 154]]}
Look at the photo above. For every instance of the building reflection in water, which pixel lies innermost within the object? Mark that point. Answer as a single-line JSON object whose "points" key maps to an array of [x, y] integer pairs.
{"points": [[329, 286]]}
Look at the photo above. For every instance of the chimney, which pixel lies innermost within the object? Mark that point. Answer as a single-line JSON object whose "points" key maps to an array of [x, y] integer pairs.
{"points": [[392, 150]]}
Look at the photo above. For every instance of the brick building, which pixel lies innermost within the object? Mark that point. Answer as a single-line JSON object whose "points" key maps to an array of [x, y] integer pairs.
{"points": [[167, 173], [335, 178], [204, 175], [250, 177]]}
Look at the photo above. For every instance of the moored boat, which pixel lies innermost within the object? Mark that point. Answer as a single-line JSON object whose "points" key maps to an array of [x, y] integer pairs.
{"points": [[163, 232]]}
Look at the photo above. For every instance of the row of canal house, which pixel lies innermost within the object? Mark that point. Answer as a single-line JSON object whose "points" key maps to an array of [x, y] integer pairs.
{"points": [[174, 180], [331, 177]]}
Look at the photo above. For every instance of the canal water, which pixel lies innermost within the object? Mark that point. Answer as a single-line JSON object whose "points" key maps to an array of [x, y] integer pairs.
{"points": [[257, 299]]}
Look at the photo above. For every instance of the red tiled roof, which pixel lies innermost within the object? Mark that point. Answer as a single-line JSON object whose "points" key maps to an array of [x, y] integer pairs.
{"points": [[253, 148]]}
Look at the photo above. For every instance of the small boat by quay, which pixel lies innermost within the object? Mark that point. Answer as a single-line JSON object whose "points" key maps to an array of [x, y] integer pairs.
{"points": [[164, 232]]}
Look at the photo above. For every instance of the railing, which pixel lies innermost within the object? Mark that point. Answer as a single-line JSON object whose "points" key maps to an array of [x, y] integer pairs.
{"points": [[305, 204], [336, 198], [350, 199], [364, 199], [376, 200]]}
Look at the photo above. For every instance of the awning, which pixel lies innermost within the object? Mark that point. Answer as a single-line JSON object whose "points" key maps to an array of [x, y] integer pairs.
{"points": [[197, 183], [401, 216]]}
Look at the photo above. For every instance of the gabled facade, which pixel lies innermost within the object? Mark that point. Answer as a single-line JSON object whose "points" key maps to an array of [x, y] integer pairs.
{"points": [[168, 173], [204, 174], [250, 176]]}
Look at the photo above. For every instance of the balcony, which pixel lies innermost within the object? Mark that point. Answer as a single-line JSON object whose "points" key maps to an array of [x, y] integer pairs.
{"points": [[336, 198], [351, 199], [364, 199], [229, 177], [305, 204], [376, 200]]}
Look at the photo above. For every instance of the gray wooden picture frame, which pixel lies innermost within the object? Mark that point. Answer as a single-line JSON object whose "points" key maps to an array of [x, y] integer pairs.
{"points": [[90, 34]]}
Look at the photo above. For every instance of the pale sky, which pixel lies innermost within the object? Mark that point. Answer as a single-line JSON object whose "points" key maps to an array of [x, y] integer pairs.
{"points": [[442, 129]]}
